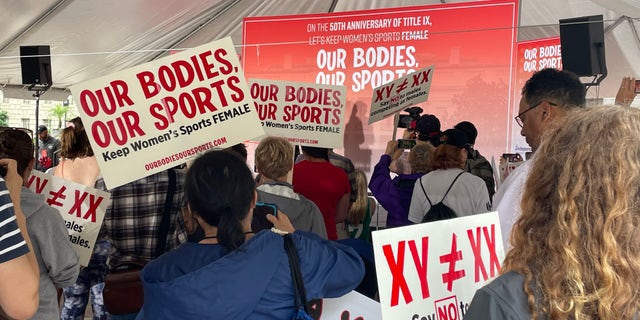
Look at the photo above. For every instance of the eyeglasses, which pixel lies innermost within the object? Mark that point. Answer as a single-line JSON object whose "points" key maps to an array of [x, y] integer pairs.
{"points": [[520, 119], [25, 130]]}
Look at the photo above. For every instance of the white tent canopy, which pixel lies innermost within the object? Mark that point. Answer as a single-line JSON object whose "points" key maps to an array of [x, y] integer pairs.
{"points": [[90, 38]]}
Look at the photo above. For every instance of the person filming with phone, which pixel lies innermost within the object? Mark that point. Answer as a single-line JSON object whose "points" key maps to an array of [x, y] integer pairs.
{"points": [[226, 271], [394, 194]]}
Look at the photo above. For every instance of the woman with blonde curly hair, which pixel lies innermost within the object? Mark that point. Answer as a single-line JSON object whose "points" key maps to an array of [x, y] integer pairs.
{"points": [[576, 247]]}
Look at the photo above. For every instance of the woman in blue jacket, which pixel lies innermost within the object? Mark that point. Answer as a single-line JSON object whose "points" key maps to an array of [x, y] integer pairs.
{"points": [[226, 271]]}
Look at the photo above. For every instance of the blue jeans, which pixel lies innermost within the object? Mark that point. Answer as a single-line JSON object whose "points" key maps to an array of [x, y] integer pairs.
{"points": [[90, 283]]}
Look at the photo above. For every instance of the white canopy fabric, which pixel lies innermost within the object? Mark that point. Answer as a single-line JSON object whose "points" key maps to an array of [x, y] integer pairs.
{"points": [[90, 38]]}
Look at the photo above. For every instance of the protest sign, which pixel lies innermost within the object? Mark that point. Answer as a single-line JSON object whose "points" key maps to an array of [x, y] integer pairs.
{"points": [[155, 116], [351, 306], [305, 113], [432, 270], [396, 95], [81, 207], [531, 57]]}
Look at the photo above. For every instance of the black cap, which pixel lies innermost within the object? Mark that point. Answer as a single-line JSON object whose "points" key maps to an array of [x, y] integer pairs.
{"points": [[41, 128], [454, 137], [469, 129]]}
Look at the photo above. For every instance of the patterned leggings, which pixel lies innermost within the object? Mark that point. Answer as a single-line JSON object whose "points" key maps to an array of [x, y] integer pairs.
{"points": [[90, 283]]}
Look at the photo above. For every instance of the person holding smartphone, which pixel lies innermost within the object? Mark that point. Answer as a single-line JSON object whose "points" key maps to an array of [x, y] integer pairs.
{"points": [[274, 161], [230, 272], [394, 194]]}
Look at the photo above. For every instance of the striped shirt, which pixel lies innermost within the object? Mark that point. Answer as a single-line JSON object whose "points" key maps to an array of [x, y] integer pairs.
{"points": [[12, 244]]}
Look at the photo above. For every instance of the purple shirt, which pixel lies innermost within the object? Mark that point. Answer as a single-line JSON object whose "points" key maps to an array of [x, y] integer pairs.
{"points": [[393, 194]]}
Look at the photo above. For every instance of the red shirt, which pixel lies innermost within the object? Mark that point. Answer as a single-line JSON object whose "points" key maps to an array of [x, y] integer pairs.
{"points": [[324, 184]]}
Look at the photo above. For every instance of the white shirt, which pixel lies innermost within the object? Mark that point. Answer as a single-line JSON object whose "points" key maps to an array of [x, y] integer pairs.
{"points": [[468, 195], [507, 200]]}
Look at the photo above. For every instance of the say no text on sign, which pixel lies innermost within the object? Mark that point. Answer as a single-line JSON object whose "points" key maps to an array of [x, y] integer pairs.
{"points": [[431, 270]]}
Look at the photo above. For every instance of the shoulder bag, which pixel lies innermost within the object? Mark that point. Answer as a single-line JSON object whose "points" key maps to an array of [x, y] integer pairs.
{"points": [[123, 292]]}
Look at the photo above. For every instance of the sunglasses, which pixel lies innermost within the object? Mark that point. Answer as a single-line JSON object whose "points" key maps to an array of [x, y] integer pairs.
{"points": [[25, 130]]}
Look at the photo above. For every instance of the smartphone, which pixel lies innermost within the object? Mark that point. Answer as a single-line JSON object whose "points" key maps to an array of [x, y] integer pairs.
{"points": [[512, 157], [406, 143], [404, 121], [637, 87], [260, 212]]}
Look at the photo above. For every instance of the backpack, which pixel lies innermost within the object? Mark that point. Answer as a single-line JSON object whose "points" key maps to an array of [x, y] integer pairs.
{"points": [[439, 211]]}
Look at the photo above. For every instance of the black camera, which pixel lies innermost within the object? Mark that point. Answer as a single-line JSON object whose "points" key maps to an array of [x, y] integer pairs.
{"points": [[405, 120]]}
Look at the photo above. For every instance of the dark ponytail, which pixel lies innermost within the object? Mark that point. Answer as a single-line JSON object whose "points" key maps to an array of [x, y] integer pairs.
{"points": [[230, 232], [219, 188]]}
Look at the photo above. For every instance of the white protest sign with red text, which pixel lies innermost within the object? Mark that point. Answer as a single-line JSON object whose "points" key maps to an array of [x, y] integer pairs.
{"points": [[404, 92], [81, 207], [155, 116], [305, 113], [351, 306], [432, 270]]}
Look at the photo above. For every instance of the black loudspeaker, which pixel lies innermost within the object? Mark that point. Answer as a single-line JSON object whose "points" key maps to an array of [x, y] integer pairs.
{"points": [[582, 41], [36, 65]]}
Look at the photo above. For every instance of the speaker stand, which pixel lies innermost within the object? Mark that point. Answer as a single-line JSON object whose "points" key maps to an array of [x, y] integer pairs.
{"points": [[39, 91]]}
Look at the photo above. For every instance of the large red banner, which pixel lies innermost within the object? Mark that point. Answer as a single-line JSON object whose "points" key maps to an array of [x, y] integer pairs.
{"points": [[470, 44], [531, 56]]}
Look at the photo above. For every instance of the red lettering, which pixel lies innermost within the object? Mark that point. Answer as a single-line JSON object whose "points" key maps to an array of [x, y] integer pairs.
{"points": [[194, 60], [477, 254], [116, 95], [184, 72], [77, 204], [39, 186], [421, 264], [208, 66], [396, 267], [418, 80], [93, 206], [147, 84], [336, 99], [491, 245], [336, 116], [289, 93], [238, 94], [220, 56], [55, 195], [451, 258], [89, 103], [167, 78], [121, 91], [203, 98], [155, 111], [119, 129]]}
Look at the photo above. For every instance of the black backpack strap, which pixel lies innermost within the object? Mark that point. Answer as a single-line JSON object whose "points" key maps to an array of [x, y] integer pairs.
{"points": [[299, 293], [454, 181], [425, 193], [163, 229]]}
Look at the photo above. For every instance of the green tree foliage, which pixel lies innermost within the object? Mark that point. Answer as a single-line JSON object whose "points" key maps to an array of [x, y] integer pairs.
{"points": [[59, 111], [4, 119]]}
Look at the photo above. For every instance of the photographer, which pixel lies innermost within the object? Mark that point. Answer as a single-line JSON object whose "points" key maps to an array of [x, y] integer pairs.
{"points": [[395, 194], [428, 129]]}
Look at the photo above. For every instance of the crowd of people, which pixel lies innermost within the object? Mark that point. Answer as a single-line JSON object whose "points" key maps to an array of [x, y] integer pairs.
{"points": [[574, 204]]}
